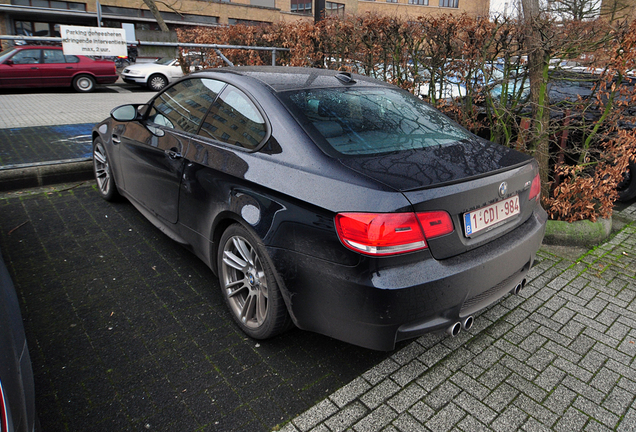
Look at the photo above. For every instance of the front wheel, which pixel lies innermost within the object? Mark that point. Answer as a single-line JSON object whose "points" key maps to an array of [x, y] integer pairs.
{"points": [[103, 173], [84, 83], [249, 286]]}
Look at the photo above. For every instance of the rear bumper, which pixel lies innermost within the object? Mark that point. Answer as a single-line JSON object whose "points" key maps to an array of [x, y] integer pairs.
{"points": [[381, 301], [109, 79]]}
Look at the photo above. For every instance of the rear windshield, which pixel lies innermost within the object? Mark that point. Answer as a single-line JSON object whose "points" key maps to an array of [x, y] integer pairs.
{"points": [[371, 121]]}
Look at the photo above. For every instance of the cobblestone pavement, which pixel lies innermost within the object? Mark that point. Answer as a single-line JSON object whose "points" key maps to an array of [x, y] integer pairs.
{"points": [[128, 331], [560, 356]]}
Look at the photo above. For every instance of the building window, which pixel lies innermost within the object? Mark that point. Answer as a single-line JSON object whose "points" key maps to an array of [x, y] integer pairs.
{"points": [[301, 6], [168, 16], [33, 28], [235, 21], [391, 1], [449, 3], [419, 2], [51, 4], [337, 9]]}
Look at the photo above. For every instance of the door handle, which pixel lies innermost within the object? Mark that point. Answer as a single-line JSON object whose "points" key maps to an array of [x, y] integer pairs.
{"points": [[34, 67], [172, 154], [116, 139]]}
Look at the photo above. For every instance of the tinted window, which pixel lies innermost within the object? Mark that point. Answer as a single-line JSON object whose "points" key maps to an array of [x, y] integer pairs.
{"points": [[234, 119], [6, 54], [365, 121], [164, 61], [72, 59], [30, 56], [53, 56], [184, 105]]}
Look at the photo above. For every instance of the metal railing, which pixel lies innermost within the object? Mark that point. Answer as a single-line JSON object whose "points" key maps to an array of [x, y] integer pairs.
{"points": [[215, 47]]}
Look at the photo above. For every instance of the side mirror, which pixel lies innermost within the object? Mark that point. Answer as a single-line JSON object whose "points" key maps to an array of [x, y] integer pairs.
{"points": [[125, 113], [9, 62]]}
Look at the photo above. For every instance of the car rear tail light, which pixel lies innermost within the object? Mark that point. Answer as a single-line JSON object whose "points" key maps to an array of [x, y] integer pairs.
{"points": [[381, 234], [435, 224], [4, 419], [535, 189]]}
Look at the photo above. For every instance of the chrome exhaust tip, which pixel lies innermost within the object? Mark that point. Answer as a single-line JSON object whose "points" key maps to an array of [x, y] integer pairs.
{"points": [[468, 322], [454, 329], [517, 288]]}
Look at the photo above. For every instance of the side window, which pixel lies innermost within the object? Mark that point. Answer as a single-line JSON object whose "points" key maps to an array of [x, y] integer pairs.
{"points": [[30, 56], [183, 106], [71, 59], [53, 56], [234, 119]]}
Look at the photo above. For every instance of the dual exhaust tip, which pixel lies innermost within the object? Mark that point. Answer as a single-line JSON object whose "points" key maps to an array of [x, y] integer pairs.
{"points": [[517, 289], [468, 322], [464, 324]]}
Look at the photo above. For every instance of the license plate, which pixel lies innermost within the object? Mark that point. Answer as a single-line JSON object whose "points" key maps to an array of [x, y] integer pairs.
{"points": [[494, 214]]}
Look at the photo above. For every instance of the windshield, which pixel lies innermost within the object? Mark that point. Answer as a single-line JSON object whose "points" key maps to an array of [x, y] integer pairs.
{"points": [[370, 121], [6, 54], [164, 61]]}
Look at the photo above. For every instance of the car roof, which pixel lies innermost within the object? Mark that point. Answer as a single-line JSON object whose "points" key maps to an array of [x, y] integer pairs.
{"points": [[23, 47], [283, 78]]}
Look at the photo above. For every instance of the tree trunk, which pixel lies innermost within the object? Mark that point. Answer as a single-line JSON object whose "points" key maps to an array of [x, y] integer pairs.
{"points": [[538, 61], [155, 12]]}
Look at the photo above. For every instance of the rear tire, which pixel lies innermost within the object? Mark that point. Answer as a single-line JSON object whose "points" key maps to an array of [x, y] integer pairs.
{"points": [[84, 83], [627, 188], [249, 286], [157, 82]]}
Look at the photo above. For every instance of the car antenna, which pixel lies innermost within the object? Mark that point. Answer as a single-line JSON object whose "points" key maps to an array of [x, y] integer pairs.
{"points": [[345, 77]]}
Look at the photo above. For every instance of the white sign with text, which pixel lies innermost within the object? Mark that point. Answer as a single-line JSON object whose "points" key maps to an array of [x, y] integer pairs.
{"points": [[93, 41]]}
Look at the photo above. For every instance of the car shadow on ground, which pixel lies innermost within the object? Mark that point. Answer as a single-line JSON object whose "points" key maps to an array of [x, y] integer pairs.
{"points": [[110, 88], [128, 330]]}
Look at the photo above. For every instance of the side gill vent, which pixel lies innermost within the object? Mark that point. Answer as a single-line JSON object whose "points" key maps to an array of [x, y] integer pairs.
{"points": [[345, 78]]}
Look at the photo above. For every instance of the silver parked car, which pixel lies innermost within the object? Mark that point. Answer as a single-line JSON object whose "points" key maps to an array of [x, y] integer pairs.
{"points": [[155, 75], [17, 393]]}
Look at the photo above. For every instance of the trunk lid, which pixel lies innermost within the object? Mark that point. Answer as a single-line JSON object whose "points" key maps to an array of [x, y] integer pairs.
{"points": [[458, 178], [437, 165]]}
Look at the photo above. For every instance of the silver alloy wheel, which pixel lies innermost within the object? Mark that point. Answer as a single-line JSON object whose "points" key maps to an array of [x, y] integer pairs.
{"points": [[157, 82], [84, 83], [244, 282], [102, 170]]}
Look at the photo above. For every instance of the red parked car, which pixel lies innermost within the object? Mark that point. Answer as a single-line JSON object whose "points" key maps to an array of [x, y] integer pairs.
{"points": [[47, 66]]}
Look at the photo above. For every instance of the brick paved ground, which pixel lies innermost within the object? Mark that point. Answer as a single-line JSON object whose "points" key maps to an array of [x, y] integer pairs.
{"points": [[560, 356], [23, 146], [128, 330]]}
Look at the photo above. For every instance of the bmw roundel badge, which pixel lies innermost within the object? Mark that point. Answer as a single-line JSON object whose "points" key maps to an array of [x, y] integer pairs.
{"points": [[503, 188]]}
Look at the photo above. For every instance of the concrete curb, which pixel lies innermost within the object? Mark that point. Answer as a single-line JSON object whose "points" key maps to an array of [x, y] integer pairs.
{"points": [[579, 233], [43, 174]]}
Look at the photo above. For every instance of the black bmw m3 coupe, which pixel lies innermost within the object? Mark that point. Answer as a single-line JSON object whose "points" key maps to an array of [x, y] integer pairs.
{"points": [[326, 200]]}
